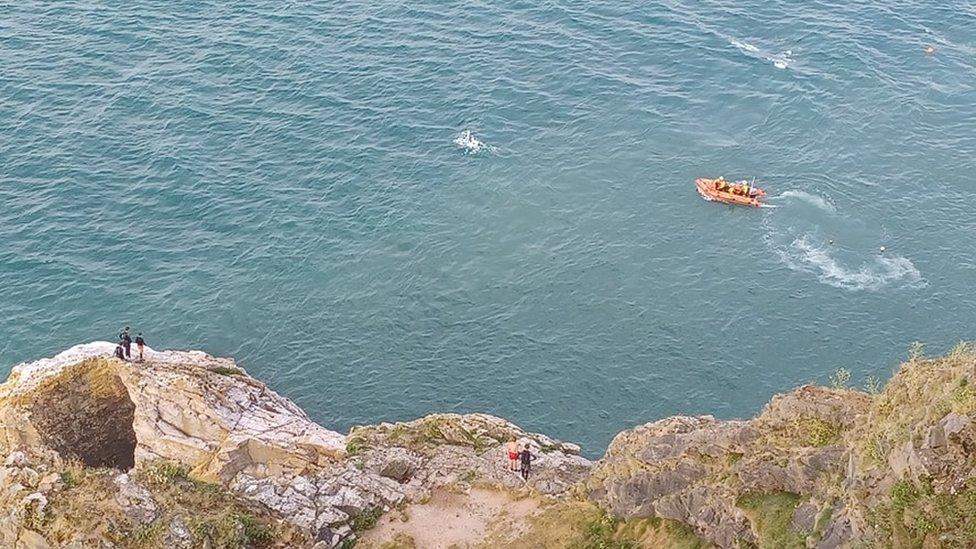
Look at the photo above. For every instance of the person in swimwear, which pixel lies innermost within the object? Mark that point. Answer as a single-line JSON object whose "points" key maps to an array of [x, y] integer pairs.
{"points": [[513, 454], [141, 345]]}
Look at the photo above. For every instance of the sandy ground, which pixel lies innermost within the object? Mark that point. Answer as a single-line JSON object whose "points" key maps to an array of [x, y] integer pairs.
{"points": [[455, 520]]}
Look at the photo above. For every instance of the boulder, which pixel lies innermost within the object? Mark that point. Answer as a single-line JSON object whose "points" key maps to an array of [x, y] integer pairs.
{"points": [[177, 535], [805, 517], [29, 539], [135, 500], [397, 463], [16, 459], [839, 531]]}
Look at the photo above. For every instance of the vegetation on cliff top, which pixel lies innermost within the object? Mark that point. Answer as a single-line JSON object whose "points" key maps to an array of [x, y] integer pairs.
{"points": [[429, 432], [176, 505], [910, 481], [581, 525], [916, 453], [772, 516]]}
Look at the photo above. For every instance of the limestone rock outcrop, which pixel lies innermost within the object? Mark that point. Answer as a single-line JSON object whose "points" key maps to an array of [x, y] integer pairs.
{"points": [[225, 428], [695, 469], [187, 449], [186, 407]]}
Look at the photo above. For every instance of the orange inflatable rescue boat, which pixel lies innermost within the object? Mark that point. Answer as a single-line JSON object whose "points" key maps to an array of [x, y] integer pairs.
{"points": [[730, 192]]}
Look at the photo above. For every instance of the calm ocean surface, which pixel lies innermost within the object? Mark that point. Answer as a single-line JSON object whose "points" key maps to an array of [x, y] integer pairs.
{"points": [[280, 182]]}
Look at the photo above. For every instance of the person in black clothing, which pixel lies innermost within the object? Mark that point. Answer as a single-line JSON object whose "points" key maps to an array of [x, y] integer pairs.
{"points": [[526, 457], [141, 344], [126, 341], [119, 352]]}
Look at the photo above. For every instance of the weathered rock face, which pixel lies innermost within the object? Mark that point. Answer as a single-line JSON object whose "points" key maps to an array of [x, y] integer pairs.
{"points": [[89, 416], [694, 469], [911, 479], [390, 464], [225, 427], [831, 467], [442, 449], [187, 407], [23, 500]]}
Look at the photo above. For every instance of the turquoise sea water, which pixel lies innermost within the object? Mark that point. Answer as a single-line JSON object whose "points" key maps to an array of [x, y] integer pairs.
{"points": [[279, 182]]}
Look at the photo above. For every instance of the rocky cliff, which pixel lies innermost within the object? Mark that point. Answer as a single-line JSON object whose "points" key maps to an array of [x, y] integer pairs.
{"points": [[187, 450]]}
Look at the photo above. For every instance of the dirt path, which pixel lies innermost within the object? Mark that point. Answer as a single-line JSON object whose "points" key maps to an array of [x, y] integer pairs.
{"points": [[453, 520]]}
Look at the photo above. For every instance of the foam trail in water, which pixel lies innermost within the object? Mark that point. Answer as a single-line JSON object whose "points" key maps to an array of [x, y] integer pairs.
{"points": [[780, 61], [471, 144], [813, 199], [882, 270], [744, 46]]}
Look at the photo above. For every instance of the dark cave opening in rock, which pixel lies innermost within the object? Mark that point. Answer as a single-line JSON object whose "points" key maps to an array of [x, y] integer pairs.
{"points": [[86, 414]]}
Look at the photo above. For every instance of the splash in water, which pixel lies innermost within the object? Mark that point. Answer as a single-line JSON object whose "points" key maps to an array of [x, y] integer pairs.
{"points": [[783, 60], [471, 144]]}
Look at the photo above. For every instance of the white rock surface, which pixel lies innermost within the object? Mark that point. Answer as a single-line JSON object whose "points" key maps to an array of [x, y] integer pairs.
{"points": [[226, 427]]}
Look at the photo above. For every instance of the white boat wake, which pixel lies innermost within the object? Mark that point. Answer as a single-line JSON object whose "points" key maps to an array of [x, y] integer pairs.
{"points": [[812, 199], [872, 274]]}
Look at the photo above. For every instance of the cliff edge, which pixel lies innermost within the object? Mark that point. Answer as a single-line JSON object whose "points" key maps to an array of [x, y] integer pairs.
{"points": [[187, 450]]}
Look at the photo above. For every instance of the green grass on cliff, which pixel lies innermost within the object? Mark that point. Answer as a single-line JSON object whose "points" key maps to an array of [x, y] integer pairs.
{"points": [[227, 371], [218, 516], [367, 519], [914, 515], [426, 433], [579, 525], [86, 510], [771, 516], [920, 512], [922, 392], [815, 432]]}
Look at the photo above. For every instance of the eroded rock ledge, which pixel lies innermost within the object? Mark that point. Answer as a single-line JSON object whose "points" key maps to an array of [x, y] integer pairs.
{"points": [[218, 426], [188, 449]]}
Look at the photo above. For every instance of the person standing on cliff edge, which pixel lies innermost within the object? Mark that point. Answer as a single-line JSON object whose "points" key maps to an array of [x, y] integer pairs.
{"points": [[126, 341], [141, 344], [526, 458], [513, 454]]}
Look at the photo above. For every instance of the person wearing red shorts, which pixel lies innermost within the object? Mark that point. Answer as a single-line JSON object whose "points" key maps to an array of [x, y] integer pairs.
{"points": [[513, 454]]}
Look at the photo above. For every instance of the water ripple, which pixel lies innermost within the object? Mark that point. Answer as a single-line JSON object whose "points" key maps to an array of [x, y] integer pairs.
{"points": [[277, 181]]}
